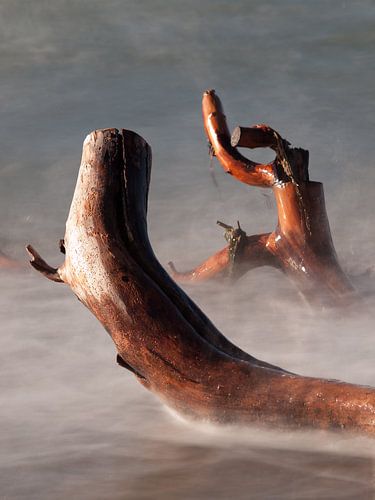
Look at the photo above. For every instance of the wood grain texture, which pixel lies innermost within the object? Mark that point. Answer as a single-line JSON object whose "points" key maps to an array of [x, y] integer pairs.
{"points": [[159, 333]]}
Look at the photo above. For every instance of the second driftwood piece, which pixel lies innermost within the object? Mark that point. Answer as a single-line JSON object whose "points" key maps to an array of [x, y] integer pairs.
{"points": [[301, 245], [159, 333]]}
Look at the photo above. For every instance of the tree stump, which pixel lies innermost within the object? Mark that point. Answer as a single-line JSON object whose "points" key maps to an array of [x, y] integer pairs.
{"points": [[301, 245], [160, 334]]}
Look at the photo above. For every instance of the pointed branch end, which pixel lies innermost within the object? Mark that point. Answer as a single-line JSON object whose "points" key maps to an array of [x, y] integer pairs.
{"points": [[62, 246], [41, 265]]}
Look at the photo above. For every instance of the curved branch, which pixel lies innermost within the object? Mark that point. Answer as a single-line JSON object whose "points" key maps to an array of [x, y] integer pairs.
{"points": [[257, 136], [41, 265], [247, 171], [290, 165], [168, 343], [301, 245]]}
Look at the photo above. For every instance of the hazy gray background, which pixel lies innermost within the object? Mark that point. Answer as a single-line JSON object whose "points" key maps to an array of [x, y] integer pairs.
{"points": [[73, 424]]}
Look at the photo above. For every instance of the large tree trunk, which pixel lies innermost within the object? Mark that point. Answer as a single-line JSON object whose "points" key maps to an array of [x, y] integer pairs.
{"points": [[301, 245], [159, 333]]}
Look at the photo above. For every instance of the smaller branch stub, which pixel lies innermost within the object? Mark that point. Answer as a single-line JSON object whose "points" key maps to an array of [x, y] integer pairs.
{"points": [[257, 136], [247, 171], [41, 265]]}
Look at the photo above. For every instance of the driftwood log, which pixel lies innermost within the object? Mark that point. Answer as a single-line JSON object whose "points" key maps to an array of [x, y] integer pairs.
{"points": [[301, 245], [160, 334]]}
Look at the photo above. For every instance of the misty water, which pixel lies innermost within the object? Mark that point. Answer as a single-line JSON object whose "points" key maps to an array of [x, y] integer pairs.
{"points": [[73, 423]]}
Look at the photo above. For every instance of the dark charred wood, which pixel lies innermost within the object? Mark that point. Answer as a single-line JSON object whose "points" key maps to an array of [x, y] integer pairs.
{"points": [[160, 334]]}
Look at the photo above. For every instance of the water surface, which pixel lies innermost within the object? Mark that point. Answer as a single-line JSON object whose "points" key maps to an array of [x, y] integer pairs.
{"points": [[73, 423]]}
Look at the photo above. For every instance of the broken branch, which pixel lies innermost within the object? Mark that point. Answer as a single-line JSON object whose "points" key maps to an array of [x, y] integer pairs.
{"points": [[247, 171]]}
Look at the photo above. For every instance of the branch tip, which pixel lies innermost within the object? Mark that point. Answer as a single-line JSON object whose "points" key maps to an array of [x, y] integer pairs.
{"points": [[41, 265]]}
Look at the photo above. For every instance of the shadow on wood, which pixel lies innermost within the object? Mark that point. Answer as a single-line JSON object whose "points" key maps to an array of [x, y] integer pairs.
{"points": [[160, 334]]}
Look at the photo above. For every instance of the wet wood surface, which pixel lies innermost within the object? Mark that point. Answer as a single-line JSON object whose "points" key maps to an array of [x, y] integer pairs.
{"points": [[301, 245]]}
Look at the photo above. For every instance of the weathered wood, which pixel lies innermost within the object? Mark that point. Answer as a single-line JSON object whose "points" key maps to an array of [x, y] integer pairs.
{"points": [[301, 245], [159, 333], [258, 136]]}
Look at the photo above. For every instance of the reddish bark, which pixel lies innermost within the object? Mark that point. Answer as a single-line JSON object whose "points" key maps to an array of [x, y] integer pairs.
{"points": [[301, 245], [159, 333]]}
